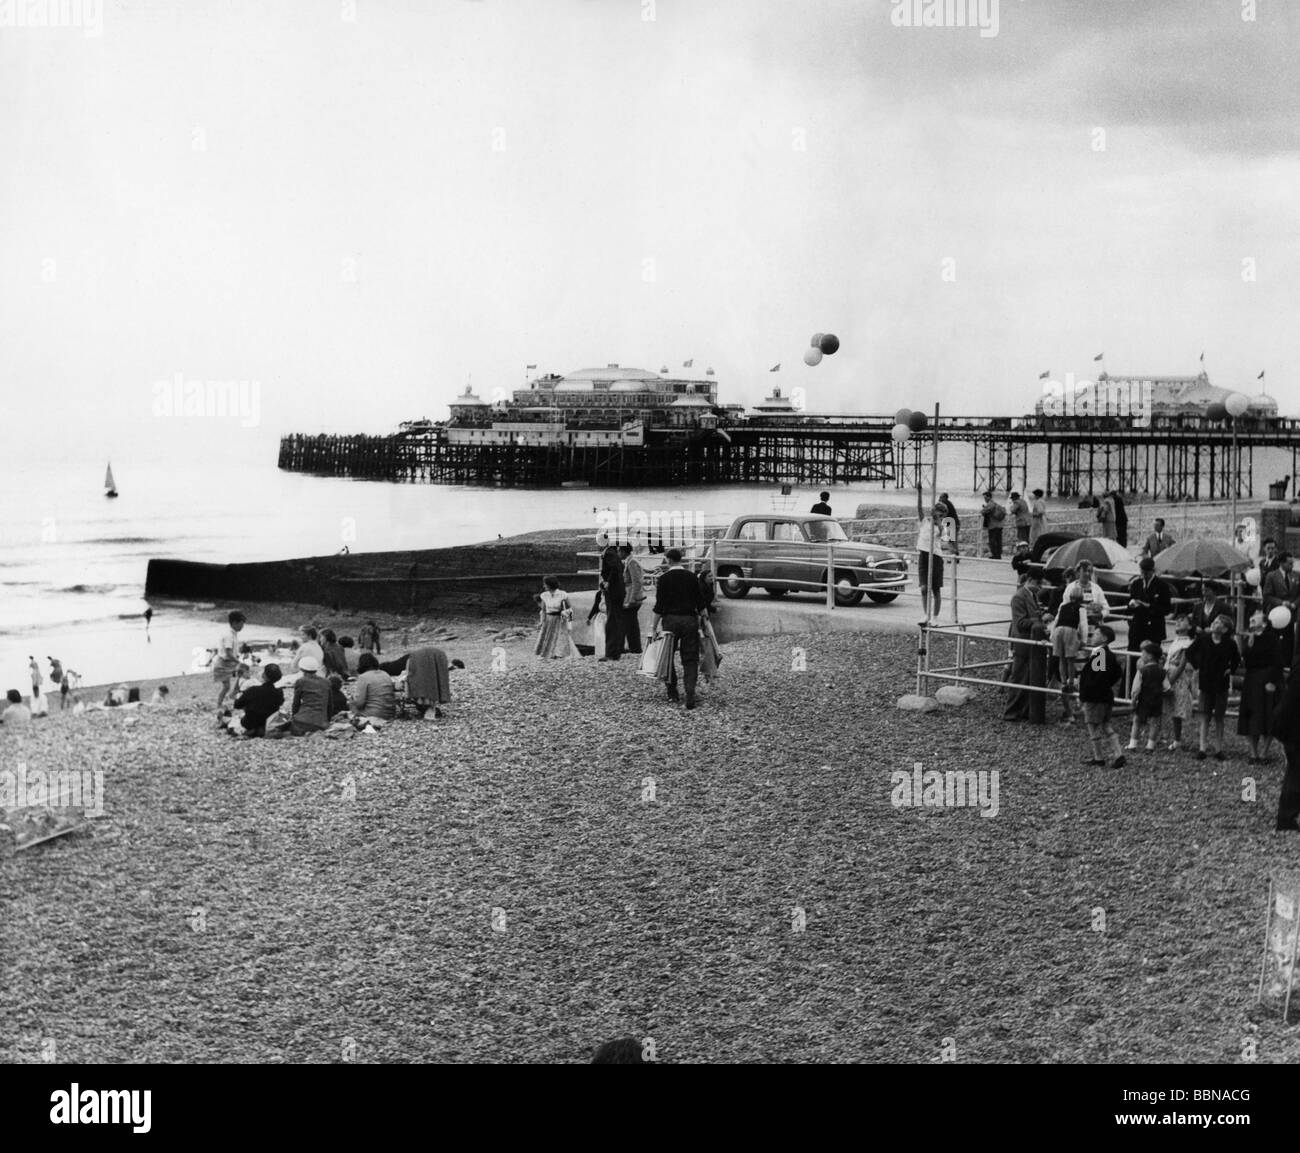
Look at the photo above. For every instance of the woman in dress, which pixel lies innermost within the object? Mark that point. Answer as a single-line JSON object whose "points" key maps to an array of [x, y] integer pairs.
{"points": [[553, 640], [1261, 655], [1180, 701]]}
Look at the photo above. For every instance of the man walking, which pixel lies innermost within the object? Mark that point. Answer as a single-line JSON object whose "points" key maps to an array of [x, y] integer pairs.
{"points": [[1020, 512], [1037, 516], [634, 580], [992, 515], [678, 604], [1158, 541]]}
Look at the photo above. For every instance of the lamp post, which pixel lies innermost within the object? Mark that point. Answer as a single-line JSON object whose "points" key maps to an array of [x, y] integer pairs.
{"points": [[1236, 404]]}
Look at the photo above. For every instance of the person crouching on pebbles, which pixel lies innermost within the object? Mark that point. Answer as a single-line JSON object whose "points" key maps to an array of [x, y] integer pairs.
{"points": [[678, 605], [1097, 680]]}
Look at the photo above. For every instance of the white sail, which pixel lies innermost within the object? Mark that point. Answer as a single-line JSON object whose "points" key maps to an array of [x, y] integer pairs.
{"points": [[108, 479]]}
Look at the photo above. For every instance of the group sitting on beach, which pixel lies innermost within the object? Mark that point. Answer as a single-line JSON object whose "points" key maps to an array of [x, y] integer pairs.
{"points": [[321, 698]]}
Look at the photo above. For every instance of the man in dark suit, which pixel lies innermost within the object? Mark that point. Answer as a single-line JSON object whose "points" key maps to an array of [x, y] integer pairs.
{"points": [[821, 508], [1281, 588], [678, 604], [614, 586], [1150, 600], [1210, 606]]}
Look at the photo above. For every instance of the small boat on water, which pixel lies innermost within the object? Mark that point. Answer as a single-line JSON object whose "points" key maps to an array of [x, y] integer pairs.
{"points": [[110, 488]]}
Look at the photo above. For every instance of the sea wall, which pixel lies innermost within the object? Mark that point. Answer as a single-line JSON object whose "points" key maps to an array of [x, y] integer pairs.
{"points": [[483, 578]]}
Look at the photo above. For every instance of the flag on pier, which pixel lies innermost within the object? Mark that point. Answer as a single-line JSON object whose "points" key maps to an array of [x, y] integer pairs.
{"points": [[1044, 375], [529, 367], [688, 363], [1202, 358], [776, 367], [1099, 356], [708, 372], [1260, 376]]}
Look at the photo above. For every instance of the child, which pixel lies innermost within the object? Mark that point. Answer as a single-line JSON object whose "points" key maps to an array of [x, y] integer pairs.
{"points": [[553, 639], [1148, 697], [1215, 658], [335, 660], [260, 702], [226, 663], [1097, 683], [338, 701], [1065, 648], [1180, 698]]}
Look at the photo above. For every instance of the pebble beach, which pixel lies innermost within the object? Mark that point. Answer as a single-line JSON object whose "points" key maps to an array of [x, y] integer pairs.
{"points": [[565, 857]]}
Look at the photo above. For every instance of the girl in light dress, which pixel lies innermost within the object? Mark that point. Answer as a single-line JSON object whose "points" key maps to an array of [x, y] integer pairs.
{"points": [[1180, 700], [553, 639]]}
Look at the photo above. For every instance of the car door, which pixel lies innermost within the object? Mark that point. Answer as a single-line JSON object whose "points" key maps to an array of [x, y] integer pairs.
{"points": [[788, 557], [751, 537]]}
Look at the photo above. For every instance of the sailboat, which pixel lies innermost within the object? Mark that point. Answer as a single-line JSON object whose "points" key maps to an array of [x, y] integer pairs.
{"points": [[110, 488]]}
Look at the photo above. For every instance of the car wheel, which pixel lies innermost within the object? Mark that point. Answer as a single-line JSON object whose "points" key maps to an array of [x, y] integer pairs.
{"points": [[882, 598], [776, 592], [732, 583], [846, 589]]}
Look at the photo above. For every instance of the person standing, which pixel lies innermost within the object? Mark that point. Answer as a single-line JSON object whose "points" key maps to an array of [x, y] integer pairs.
{"points": [[1268, 558], [1028, 661], [821, 508], [614, 587], [929, 568], [678, 605], [1097, 680], [633, 599], [226, 663], [38, 679], [1106, 516], [1065, 647], [334, 659], [368, 638], [1209, 609], [553, 640], [992, 515], [1261, 656], [1215, 659], [1149, 688], [1286, 730], [1037, 516], [1094, 600], [1158, 541], [950, 511], [1181, 678], [1021, 515], [1121, 519], [1150, 600], [1281, 588]]}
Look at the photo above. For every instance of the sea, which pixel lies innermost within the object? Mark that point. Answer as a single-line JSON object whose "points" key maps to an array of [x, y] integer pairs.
{"points": [[73, 562]]}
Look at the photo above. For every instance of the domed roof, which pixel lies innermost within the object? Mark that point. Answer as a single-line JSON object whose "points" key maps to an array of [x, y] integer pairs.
{"points": [[612, 372], [1263, 403], [468, 398]]}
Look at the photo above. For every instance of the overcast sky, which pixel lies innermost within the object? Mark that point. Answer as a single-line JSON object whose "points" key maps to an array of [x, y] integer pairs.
{"points": [[363, 207]]}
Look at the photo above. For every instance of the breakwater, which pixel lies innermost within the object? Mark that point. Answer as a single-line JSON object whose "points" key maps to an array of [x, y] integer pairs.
{"points": [[485, 578]]}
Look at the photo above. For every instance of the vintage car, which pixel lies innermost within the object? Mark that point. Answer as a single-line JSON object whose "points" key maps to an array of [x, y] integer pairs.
{"points": [[776, 550]]}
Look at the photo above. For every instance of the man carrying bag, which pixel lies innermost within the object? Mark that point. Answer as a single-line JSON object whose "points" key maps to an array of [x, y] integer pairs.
{"points": [[678, 605]]}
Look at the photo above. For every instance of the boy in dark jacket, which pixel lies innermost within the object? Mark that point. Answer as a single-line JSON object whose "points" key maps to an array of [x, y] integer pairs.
{"points": [[260, 702], [1215, 658], [1101, 672]]}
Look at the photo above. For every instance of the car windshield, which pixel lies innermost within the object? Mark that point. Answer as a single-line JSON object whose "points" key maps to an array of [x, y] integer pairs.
{"points": [[825, 530]]}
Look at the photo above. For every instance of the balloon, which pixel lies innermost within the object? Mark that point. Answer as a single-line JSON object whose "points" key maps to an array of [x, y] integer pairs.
{"points": [[811, 356], [1253, 577], [901, 433], [1216, 411], [817, 339], [1236, 404], [1280, 617], [829, 344], [916, 421], [902, 416]]}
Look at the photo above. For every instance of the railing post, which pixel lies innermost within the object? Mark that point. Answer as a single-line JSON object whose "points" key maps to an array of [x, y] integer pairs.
{"points": [[830, 575]]}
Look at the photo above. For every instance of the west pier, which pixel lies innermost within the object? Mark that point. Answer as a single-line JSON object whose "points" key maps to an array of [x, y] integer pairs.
{"points": [[1172, 458]]}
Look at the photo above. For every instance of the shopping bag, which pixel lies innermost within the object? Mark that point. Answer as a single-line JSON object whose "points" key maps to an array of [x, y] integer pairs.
{"points": [[650, 658], [710, 641], [708, 660], [664, 665]]}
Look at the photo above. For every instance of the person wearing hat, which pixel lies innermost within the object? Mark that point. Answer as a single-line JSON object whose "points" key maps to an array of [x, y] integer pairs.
{"points": [[1028, 661], [311, 698], [1150, 600], [679, 603], [1020, 512], [1037, 516], [993, 514]]}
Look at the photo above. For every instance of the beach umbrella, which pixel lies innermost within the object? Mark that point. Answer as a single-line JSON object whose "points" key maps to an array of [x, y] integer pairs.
{"points": [[1101, 551], [1209, 558]]}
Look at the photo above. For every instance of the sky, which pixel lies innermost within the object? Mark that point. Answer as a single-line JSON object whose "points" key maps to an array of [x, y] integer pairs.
{"points": [[359, 207]]}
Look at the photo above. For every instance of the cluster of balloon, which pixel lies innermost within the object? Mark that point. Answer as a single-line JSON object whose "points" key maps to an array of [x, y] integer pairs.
{"points": [[1280, 617], [823, 343], [907, 422]]}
